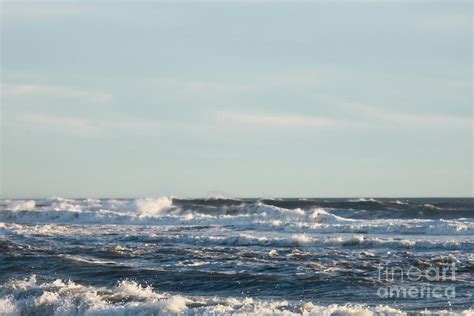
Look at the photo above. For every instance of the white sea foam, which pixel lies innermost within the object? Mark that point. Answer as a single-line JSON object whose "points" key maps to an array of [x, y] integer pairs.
{"points": [[130, 233], [19, 205], [217, 236], [273, 253], [306, 240], [8, 306], [430, 206], [364, 200], [130, 298], [152, 207], [400, 202], [320, 215], [161, 211]]}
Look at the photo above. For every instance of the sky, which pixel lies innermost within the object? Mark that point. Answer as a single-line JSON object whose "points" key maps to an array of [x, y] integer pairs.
{"points": [[236, 98]]}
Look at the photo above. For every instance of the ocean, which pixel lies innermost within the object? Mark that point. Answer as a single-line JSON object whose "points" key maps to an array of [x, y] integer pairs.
{"points": [[223, 256]]}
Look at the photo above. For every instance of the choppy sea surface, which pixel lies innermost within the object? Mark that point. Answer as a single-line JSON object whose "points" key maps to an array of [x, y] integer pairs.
{"points": [[219, 256]]}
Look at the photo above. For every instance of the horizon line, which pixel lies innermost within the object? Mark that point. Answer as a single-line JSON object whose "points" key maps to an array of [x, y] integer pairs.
{"points": [[237, 198]]}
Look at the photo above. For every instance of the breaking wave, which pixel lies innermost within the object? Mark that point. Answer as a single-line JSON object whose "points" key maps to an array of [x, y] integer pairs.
{"points": [[60, 297], [256, 214], [166, 255]]}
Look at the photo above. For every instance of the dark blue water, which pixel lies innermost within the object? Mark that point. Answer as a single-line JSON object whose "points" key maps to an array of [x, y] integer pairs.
{"points": [[232, 256]]}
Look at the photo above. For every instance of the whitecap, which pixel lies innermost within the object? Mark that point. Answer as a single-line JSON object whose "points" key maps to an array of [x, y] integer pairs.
{"points": [[131, 298], [20, 205]]}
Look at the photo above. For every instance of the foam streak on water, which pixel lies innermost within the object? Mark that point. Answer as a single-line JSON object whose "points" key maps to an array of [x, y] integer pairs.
{"points": [[228, 256]]}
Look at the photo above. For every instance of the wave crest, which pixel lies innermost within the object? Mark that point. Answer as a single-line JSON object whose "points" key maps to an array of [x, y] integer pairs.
{"points": [[21, 297], [152, 207]]}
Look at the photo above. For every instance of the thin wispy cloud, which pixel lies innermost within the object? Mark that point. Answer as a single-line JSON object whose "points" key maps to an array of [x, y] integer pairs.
{"points": [[84, 126], [71, 125], [281, 120], [285, 80], [385, 116], [356, 115], [19, 91]]}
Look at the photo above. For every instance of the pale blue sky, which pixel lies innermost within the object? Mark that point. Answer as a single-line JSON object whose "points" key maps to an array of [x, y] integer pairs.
{"points": [[320, 99]]}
